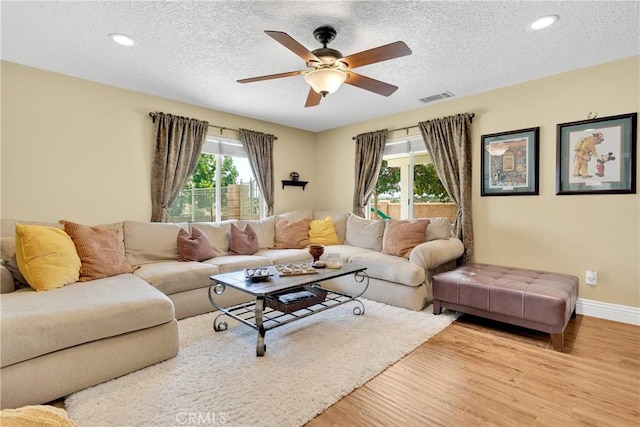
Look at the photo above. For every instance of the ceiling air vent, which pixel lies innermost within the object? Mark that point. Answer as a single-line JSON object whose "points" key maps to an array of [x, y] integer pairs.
{"points": [[432, 98]]}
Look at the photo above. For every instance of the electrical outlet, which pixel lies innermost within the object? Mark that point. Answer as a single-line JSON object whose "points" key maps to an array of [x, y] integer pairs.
{"points": [[591, 277]]}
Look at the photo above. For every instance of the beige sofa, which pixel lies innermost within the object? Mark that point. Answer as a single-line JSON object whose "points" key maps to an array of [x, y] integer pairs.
{"points": [[57, 342]]}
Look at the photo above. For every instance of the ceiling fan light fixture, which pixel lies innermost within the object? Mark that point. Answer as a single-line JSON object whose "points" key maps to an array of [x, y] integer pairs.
{"points": [[325, 80]]}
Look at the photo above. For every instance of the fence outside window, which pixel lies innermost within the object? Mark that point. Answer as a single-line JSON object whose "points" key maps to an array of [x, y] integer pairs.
{"points": [[238, 201]]}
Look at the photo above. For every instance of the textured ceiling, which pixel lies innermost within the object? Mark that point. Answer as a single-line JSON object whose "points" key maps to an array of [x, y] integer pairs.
{"points": [[195, 51]]}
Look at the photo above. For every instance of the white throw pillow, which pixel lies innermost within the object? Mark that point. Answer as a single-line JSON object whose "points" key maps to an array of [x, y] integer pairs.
{"points": [[439, 228], [364, 233], [151, 241], [264, 229], [297, 215], [217, 233]]}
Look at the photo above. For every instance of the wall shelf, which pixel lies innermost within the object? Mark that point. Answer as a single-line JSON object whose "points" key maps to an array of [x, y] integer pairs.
{"points": [[294, 183]]}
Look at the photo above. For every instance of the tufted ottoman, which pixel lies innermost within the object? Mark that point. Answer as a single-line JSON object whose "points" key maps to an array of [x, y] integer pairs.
{"points": [[532, 299]]}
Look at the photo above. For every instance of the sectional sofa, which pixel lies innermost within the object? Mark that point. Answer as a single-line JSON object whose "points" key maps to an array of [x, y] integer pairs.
{"points": [[59, 341]]}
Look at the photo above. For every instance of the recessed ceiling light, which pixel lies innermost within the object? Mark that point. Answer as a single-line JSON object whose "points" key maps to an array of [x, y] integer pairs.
{"points": [[122, 39], [543, 22]]}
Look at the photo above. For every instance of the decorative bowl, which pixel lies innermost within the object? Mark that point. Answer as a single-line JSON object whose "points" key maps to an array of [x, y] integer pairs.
{"points": [[257, 274]]}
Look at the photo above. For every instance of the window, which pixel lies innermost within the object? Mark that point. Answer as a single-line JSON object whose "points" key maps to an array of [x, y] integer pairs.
{"points": [[222, 186], [408, 185]]}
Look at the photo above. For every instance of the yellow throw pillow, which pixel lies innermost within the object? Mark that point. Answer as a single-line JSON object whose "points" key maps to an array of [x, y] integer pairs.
{"points": [[35, 416], [322, 232], [46, 256]]}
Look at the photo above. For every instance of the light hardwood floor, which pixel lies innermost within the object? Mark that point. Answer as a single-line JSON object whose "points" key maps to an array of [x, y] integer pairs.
{"points": [[478, 373]]}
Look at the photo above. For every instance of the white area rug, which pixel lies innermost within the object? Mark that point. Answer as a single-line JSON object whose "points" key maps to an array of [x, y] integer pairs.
{"points": [[217, 378]]}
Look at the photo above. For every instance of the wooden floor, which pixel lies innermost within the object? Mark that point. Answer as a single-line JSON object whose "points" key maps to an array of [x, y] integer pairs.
{"points": [[479, 373]]}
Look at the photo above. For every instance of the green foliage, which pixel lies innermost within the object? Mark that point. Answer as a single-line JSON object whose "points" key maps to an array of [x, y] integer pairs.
{"points": [[229, 172], [204, 175], [427, 186], [388, 180]]}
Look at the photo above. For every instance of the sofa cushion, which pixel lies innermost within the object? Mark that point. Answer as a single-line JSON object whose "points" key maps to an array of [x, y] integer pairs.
{"points": [[194, 246], [439, 228], [18, 279], [217, 233], [37, 323], [229, 263], [390, 268], [286, 256], [296, 215], [46, 256], [339, 220], [402, 235], [151, 241], [364, 233], [7, 284], [291, 234], [172, 277], [99, 251], [264, 229], [322, 232], [345, 251], [243, 241]]}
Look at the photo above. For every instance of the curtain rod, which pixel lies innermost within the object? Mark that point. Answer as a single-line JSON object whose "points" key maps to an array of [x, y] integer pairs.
{"points": [[222, 128], [414, 126]]}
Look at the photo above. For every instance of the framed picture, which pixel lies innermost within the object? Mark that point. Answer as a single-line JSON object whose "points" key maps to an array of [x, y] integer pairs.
{"points": [[509, 163], [597, 156]]}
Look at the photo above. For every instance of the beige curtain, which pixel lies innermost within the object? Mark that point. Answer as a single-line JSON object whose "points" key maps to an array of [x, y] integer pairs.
{"points": [[449, 143], [178, 144], [259, 147], [369, 152]]}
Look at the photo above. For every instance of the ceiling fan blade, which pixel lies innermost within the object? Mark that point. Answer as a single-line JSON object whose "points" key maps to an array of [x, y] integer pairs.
{"points": [[270, 76], [290, 43], [370, 84], [313, 98], [377, 54]]}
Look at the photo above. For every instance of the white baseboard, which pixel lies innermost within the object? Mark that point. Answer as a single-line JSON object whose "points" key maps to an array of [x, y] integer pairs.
{"points": [[605, 310]]}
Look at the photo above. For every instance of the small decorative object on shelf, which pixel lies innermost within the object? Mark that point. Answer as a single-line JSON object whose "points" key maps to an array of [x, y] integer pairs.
{"points": [[316, 251], [295, 176]]}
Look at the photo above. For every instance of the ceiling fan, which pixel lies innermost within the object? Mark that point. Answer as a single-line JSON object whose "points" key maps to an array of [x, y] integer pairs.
{"points": [[327, 69]]}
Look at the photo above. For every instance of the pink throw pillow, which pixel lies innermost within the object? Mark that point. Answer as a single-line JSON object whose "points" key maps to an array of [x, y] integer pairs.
{"points": [[243, 242], [194, 247], [291, 234], [401, 236]]}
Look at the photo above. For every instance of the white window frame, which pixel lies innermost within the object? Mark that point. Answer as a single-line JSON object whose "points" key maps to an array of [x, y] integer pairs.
{"points": [[409, 145], [221, 146]]}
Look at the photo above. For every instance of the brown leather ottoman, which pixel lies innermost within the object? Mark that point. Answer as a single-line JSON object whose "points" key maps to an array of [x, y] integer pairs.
{"points": [[532, 299]]}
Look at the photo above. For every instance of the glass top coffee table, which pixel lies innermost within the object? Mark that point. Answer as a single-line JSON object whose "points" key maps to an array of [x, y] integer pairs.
{"points": [[289, 293]]}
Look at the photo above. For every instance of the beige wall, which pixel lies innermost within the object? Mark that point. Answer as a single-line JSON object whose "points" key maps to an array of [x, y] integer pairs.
{"points": [[562, 233], [82, 151]]}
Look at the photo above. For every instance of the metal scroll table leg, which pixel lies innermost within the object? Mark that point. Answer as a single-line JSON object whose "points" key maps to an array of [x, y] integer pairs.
{"points": [[360, 277], [261, 347], [218, 325]]}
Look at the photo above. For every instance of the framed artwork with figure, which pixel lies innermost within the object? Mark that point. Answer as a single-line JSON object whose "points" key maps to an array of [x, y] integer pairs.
{"points": [[597, 156], [509, 163]]}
